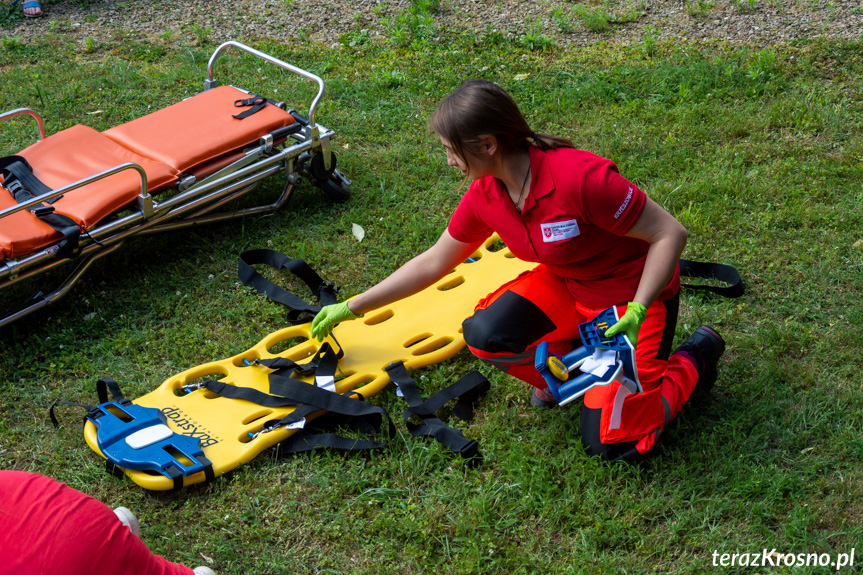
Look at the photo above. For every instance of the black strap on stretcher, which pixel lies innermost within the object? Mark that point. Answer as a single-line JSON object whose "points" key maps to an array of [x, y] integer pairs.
{"points": [[19, 179], [102, 387], [468, 391], [711, 271], [350, 408], [256, 102], [325, 291], [344, 410], [325, 361]]}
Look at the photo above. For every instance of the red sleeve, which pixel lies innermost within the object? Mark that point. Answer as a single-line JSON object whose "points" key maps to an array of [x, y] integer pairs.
{"points": [[611, 201], [466, 225]]}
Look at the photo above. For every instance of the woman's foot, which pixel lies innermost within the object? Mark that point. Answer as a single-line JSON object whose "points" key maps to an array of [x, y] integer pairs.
{"points": [[32, 9], [704, 348], [542, 398]]}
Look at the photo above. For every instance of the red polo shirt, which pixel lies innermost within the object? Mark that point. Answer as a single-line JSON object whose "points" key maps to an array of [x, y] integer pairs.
{"points": [[574, 219], [48, 527]]}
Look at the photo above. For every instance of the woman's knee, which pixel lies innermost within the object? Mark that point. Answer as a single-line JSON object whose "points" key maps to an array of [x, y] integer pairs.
{"points": [[593, 445], [509, 325]]}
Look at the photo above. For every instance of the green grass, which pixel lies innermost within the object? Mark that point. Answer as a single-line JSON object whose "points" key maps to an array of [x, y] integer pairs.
{"points": [[594, 19], [699, 8], [10, 14], [757, 151]]}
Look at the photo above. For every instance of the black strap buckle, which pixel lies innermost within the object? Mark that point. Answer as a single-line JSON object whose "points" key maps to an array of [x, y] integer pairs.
{"points": [[470, 450], [13, 185], [256, 101], [42, 211], [257, 104]]}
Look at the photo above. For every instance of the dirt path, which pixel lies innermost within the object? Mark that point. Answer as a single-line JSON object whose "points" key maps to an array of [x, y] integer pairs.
{"points": [[752, 22]]}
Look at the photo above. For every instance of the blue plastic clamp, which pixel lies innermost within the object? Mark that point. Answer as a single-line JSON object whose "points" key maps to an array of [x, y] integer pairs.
{"points": [[593, 338], [141, 440]]}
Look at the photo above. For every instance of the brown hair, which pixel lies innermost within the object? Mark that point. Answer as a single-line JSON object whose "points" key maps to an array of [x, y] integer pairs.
{"points": [[480, 108]]}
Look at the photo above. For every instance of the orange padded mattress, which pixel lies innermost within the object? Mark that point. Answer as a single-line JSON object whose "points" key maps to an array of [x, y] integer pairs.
{"points": [[166, 143], [66, 157], [198, 129]]}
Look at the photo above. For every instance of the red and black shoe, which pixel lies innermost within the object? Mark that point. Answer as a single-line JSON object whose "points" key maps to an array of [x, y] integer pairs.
{"points": [[704, 347], [542, 398]]}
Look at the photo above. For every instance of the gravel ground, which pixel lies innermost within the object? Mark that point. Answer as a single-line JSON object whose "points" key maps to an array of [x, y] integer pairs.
{"points": [[750, 22]]}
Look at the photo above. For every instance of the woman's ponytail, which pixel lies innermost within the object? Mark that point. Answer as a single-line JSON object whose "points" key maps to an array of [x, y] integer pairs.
{"points": [[547, 142]]}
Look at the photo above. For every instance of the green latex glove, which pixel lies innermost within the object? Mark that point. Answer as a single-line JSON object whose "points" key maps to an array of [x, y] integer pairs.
{"points": [[328, 317], [630, 323]]}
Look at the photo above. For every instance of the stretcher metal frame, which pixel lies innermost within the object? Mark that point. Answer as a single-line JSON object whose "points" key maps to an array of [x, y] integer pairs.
{"points": [[301, 150]]}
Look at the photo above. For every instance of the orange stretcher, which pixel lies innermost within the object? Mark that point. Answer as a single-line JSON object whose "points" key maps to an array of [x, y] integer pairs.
{"points": [[76, 195]]}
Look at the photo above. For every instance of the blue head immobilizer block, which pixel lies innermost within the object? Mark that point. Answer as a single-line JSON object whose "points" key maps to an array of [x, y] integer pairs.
{"points": [[593, 338], [139, 439]]}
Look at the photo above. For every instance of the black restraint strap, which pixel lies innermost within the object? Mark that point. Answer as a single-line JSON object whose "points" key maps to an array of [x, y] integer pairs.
{"points": [[467, 390], [353, 414], [257, 104], [209, 474], [106, 384], [706, 270], [18, 168], [309, 399], [93, 412], [348, 410], [325, 359], [304, 442], [325, 291], [113, 469], [176, 476], [284, 390], [358, 415], [18, 178]]}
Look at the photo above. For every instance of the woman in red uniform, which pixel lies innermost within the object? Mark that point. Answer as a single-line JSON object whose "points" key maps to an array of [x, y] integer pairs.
{"points": [[599, 242]]}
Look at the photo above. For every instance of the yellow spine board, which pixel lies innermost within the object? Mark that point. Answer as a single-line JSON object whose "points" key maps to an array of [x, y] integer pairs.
{"points": [[420, 330]]}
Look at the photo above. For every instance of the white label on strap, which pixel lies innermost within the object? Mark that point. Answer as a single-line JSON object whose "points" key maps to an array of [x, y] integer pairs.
{"points": [[149, 436], [297, 424], [327, 382]]}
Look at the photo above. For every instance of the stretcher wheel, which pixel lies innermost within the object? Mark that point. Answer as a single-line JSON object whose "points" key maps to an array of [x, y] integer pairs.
{"points": [[319, 172], [337, 187]]}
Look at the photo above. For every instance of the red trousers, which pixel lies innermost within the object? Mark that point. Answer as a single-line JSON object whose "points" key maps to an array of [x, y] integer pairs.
{"points": [[537, 306]]}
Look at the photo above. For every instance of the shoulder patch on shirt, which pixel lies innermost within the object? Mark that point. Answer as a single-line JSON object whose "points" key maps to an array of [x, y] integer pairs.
{"points": [[557, 231], [625, 204]]}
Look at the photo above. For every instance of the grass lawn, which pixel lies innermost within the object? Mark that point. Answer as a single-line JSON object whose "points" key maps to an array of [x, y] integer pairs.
{"points": [[759, 152]]}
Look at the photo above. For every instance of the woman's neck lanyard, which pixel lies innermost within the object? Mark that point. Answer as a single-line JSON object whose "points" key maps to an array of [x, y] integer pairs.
{"points": [[516, 203]]}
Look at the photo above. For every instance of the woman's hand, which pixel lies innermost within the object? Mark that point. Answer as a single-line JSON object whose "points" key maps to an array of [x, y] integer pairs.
{"points": [[630, 323], [328, 317], [417, 274]]}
